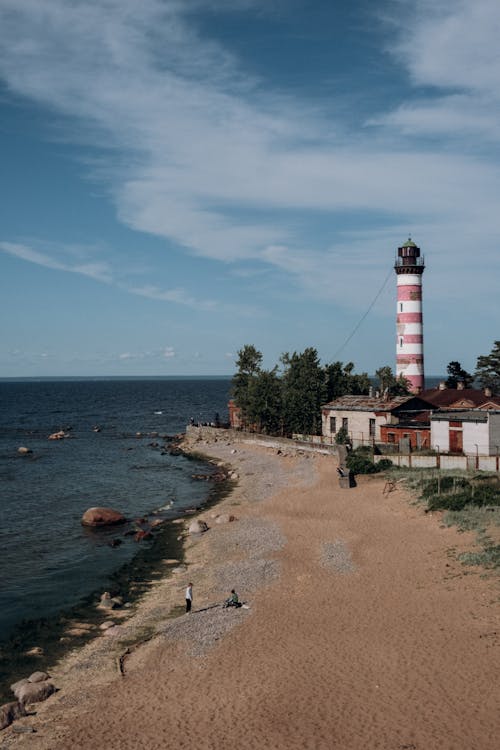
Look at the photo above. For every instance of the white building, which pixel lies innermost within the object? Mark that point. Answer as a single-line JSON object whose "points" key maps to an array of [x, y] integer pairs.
{"points": [[474, 433], [365, 417]]}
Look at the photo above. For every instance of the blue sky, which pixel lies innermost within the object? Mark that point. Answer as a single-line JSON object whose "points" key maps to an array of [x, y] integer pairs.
{"points": [[182, 177]]}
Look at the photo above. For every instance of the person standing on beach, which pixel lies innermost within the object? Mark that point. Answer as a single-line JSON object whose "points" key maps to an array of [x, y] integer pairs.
{"points": [[189, 597]]}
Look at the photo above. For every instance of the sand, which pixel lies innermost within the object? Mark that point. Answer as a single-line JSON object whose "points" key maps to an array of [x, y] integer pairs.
{"points": [[362, 631]]}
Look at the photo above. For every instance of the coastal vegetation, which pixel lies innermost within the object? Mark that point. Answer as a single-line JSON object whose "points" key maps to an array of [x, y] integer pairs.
{"points": [[360, 461], [287, 399], [470, 502], [488, 369]]}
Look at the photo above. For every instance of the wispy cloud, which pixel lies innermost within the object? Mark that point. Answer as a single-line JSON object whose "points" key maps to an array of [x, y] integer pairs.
{"points": [[194, 145], [99, 271]]}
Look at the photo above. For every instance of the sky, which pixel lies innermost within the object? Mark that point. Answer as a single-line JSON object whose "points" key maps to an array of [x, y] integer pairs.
{"points": [[180, 178]]}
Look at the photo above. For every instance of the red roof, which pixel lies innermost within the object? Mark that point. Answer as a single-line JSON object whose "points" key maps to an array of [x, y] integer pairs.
{"points": [[465, 398]]}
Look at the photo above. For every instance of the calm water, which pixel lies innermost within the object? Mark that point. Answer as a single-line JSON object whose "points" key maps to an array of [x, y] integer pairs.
{"points": [[48, 561]]}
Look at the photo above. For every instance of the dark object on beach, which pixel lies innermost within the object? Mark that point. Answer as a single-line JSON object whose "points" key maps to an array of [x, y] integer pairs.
{"points": [[96, 517], [24, 729], [346, 481], [340, 471], [9, 712]]}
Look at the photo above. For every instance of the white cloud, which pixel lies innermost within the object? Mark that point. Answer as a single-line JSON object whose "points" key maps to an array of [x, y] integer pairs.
{"points": [[451, 47], [195, 144], [100, 271]]}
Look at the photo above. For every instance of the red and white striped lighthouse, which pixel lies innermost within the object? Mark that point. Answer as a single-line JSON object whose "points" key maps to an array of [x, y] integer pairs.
{"points": [[409, 267]]}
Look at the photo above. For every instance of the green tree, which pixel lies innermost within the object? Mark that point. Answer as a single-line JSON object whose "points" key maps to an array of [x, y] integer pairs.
{"points": [[303, 383], [248, 364], [456, 374], [264, 408], [388, 382], [340, 380], [488, 369]]}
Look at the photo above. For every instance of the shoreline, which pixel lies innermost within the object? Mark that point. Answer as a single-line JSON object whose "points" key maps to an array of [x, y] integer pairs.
{"points": [[345, 642], [130, 581]]}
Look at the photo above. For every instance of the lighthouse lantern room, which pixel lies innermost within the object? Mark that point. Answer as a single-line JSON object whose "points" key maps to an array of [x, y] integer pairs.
{"points": [[409, 267]]}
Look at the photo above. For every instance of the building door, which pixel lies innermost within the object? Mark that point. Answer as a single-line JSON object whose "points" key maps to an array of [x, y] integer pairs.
{"points": [[456, 441]]}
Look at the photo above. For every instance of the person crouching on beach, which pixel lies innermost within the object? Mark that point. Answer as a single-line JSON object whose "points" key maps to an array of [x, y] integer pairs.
{"points": [[189, 597], [233, 600]]}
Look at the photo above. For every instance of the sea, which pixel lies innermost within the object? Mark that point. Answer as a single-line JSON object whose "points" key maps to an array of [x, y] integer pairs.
{"points": [[117, 454]]}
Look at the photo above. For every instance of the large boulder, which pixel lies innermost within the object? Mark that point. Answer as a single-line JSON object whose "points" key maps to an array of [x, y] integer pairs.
{"points": [[96, 517], [34, 692], [38, 677], [9, 712]]}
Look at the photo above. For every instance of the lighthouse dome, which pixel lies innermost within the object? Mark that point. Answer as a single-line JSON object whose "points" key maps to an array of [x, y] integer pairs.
{"points": [[409, 243]]}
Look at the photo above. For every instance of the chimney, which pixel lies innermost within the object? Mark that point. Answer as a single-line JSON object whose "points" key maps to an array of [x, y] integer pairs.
{"points": [[442, 385], [460, 385], [487, 392]]}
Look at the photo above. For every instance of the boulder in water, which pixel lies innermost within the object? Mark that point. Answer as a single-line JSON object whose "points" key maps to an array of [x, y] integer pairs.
{"points": [[96, 517], [59, 435], [23, 451]]}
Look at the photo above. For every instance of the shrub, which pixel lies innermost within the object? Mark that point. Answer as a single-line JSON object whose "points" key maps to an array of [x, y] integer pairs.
{"points": [[358, 461], [470, 496], [384, 464], [342, 437], [444, 484]]}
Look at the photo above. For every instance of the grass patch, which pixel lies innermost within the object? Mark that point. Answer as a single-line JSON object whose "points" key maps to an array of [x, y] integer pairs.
{"points": [[471, 503]]}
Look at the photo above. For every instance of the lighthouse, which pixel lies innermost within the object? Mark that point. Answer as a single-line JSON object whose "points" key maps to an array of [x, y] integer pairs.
{"points": [[409, 267]]}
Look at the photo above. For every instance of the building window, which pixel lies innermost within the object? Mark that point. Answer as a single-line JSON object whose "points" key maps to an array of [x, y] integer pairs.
{"points": [[333, 425], [391, 437], [372, 428], [400, 341], [345, 423], [400, 307]]}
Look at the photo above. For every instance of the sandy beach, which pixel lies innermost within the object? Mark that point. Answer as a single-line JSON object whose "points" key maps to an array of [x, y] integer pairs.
{"points": [[362, 630]]}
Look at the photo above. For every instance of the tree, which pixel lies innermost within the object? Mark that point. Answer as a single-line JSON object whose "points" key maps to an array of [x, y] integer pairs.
{"points": [[390, 384], [248, 364], [340, 379], [264, 402], [303, 392], [456, 374], [488, 369]]}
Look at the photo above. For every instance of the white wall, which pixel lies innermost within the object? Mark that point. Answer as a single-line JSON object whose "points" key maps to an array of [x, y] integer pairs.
{"points": [[494, 434], [358, 424], [440, 436], [475, 438]]}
